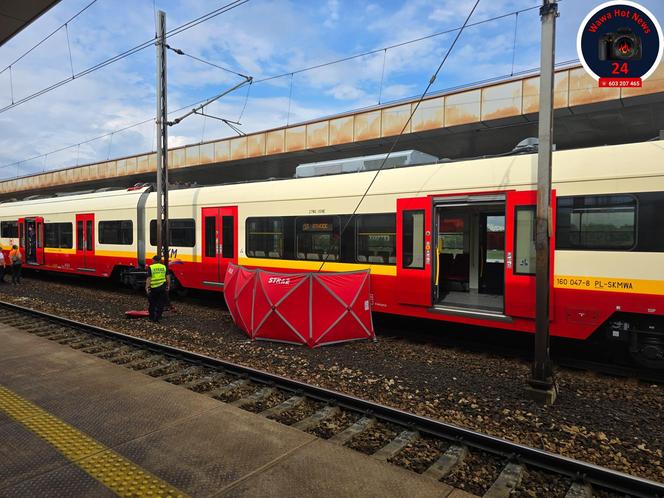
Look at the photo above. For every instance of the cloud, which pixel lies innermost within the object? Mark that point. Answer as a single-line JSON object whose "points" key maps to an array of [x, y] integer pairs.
{"points": [[346, 92], [332, 12], [261, 38]]}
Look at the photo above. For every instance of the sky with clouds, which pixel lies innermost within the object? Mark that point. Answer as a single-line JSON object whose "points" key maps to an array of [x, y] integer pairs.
{"points": [[261, 38]]}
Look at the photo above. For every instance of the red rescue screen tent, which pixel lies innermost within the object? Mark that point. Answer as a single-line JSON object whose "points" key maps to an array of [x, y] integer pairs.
{"points": [[308, 308]]}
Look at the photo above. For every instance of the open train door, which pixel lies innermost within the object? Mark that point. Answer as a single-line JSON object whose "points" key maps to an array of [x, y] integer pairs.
{"points": [[21, 236], [31, 239], [520, 254], [414, 282], [219, 243]]}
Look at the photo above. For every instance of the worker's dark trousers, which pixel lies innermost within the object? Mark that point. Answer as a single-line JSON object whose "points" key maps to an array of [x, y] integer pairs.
{"points": [[16, 274], [157, 300]]}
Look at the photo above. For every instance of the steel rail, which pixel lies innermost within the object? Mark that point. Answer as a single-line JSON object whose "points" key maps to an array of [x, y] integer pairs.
{"points": [[612, 480]]}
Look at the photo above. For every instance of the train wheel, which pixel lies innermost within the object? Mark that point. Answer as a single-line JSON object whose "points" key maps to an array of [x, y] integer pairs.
{"points": [[649, 353]]}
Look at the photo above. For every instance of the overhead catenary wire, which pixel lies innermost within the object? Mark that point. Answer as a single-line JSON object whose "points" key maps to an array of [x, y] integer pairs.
{"points": [[410, 117], [265, 79], [182, 52], [396, 45], [49, 35], [188, 106], [123, 55]]}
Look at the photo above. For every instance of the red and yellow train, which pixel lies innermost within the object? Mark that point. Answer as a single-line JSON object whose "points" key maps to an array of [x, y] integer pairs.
{"points": [[449, 241]]}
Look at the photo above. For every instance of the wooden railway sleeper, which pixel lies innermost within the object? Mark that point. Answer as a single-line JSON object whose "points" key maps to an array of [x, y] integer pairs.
{"points": [[72, 339], [109, 354], [447, 462], [82, 339], [33, 329], [228, 388], [149, 371], [580, 490], [137, 362], [92, 347], [52, 334], [396, 445], [174, 375], [255, 397], [315, 419], [130, 355], [16, 321], [508, 480], [210, 377], [350, 432], [58, 336], [290, 403], [84, 343], [26, 324]]}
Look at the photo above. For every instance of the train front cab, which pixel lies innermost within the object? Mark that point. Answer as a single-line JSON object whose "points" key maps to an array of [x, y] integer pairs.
{"points": [[469, 257]]}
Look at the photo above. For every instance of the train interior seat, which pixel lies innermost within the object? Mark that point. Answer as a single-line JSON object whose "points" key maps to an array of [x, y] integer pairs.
{"points": [[273, 254]]}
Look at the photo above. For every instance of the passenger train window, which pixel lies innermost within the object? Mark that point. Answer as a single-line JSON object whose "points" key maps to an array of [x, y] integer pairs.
{"points": [[58, 235], [79, 236], [210, 236], [116, 232], [265, 237], [413, 239], [317, 238], [650, 234], [596, 222], [183, 232], [524, 241], [228, 236], [89, 235], [376, 238], [9, 229]]}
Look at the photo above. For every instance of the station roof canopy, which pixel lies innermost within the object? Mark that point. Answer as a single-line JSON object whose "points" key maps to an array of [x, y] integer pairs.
{"points": [[17, 15]]}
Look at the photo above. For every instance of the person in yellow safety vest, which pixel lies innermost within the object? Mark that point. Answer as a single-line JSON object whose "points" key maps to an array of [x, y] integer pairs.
{"points": [[157, 286]]}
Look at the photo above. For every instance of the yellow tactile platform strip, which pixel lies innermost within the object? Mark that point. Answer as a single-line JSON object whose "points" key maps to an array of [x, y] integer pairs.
{"points": [[111, 469]]}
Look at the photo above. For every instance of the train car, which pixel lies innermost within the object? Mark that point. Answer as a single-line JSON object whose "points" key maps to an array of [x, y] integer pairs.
{"points": [[451, 241]]}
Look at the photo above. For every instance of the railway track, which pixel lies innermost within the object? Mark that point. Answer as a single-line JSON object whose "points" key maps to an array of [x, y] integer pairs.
{"points": [[507, 344], [582, 357], [436, 449]]}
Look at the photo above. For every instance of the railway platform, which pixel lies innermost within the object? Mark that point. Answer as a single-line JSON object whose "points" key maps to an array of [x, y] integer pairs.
{"points": [[74, 425]]}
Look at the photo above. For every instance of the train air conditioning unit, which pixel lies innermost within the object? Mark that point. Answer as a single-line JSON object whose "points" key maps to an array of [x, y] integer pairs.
{"points": [[364, 163]]}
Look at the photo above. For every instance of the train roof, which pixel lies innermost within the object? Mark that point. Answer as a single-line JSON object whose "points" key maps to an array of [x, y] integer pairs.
{"points": [[605, 164]]}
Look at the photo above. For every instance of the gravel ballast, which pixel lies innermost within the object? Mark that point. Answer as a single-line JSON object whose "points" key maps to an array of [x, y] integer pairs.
{"points": [[612, 422]]}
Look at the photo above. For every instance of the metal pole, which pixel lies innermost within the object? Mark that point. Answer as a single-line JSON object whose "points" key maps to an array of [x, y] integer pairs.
{"points": [[541, 382], [162, 140]]}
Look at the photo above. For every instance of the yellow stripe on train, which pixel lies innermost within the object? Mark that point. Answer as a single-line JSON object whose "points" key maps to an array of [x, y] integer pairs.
{"points": [[389, 270], [622, 285]]}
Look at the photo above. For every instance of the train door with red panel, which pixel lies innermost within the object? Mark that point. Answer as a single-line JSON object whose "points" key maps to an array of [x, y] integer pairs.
{"points": [[414, 251], [220, 244], [31, 239], [85, 242], [520, 253]]}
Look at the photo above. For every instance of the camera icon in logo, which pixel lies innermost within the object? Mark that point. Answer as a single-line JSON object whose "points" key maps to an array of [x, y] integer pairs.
{"points": [[623, 45]]}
